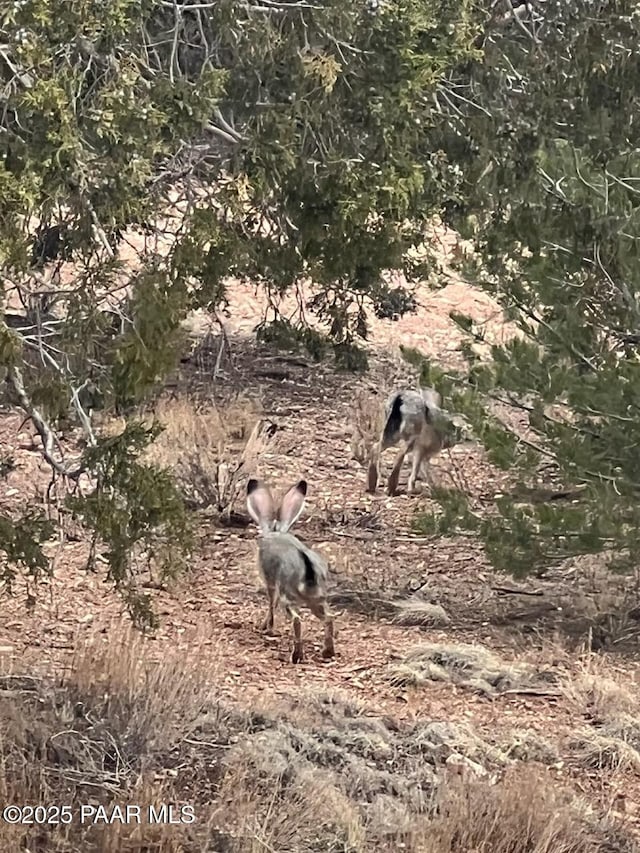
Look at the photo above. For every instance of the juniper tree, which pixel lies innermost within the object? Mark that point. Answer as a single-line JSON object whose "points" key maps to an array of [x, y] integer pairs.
{"points": [[260, 140], [548, 141]]}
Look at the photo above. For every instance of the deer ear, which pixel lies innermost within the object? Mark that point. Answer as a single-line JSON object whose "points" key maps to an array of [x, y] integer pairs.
{"points": [[292, 505], [431, 397], [260, 504]]}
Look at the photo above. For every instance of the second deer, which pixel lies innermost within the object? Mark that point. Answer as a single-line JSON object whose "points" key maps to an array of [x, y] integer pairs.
{"points": [[415, 421]]}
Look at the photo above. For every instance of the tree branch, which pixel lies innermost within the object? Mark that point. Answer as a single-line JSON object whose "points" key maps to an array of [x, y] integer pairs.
{"points": [[47, 435]]}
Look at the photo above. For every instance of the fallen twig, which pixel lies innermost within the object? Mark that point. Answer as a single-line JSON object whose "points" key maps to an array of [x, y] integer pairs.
{"points": [[530, 691], [508, 590]]}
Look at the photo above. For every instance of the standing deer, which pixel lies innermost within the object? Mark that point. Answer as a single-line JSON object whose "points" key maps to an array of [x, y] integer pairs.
{"points": [[415, 421], [293, 573]]}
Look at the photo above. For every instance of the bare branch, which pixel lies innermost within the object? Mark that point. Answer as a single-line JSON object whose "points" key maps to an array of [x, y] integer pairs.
{"points": [[47, 435], [232, 137], [84, 417]]}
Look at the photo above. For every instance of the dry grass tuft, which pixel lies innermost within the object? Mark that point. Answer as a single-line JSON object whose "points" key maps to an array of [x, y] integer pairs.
{"points": [[612, 746], [157, 701], [595, 750], [625, 727], [105, 734], [414, 612], [467, 665], [212, 451], [284, 806], [313, 707], [599, 695], [522, 812], [367, 420], [525, 745], [612, 742]]}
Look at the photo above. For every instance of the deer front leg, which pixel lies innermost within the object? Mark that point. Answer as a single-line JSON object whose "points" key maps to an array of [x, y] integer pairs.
{"points": [[322, 612], [394, 476], [374, 468], [297, 656], [269, 621]]}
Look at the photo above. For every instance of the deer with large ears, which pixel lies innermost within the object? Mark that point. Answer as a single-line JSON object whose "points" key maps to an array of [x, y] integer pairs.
{"points": [[293, 573], [415, 421]]}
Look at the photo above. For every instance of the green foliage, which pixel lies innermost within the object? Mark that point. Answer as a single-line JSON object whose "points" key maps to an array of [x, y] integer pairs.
{"points": [[21, 542], [134, 511], [283, 334], [522, 539], [350, 357], [454, 514], [429, 374], [554, 213], [334, 177], [21, 538], [547, 143], [150, 347]]}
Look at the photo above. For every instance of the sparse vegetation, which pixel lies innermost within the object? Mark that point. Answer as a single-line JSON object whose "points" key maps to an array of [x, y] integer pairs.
{"points": [[396, 193], [474, 667], [310, 775], [213, 451]]}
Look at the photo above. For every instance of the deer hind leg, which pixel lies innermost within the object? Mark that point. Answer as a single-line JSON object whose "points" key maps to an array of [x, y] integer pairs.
{"points": [[267, 625], [394, 476], [321, 610], [373, 471], [297, 656], [427, 472], [416, 463]]}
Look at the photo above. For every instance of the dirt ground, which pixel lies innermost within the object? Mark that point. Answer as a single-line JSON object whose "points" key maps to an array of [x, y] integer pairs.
{"points": [[210, 616]]}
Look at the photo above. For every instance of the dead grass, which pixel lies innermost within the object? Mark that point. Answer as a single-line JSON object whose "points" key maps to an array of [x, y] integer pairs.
{"points": [[529, 746], [367, 420], [325, 777], [612, 742], [524, 811], [161, 698], [211, 451], [105, 734], [614, 746], [598, 694], [471, 666], [596, 750], [418, 613], [625, 727], [316, 774]]}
